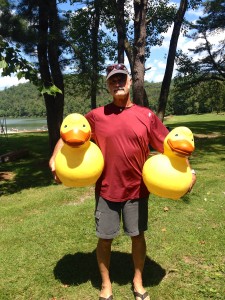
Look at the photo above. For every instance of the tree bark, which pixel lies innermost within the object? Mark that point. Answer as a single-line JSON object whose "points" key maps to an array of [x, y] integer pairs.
{"points": [[121, 30], [48, 56], [95, 56], [171, 59], [140, 9]]}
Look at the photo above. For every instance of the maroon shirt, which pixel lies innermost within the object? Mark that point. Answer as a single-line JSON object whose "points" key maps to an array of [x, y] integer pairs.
{"points": [[124, 136]]}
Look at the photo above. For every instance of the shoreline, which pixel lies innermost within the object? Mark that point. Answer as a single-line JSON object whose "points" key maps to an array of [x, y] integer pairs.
{"points": [[16, 130]]}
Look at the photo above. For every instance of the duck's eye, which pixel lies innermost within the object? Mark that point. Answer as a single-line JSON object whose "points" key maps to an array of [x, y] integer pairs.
{"points": [[65, 126], [176, 134], [84, 125]]}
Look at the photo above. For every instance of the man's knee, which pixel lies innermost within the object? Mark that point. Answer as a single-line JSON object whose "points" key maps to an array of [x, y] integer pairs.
{"points": [[105, 243], [139, 237]]}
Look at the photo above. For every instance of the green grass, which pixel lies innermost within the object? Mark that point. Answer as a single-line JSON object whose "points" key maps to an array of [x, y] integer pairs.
{"points": [[47, 241]]}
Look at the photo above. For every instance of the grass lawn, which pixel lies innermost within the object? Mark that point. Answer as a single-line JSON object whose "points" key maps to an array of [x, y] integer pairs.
{"points": [[47, 241]]}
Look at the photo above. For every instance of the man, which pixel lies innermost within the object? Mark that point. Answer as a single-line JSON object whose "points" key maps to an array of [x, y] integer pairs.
{"points": [[123, 131]]}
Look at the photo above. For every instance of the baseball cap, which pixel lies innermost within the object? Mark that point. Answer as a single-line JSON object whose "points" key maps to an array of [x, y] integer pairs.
{"points": [[116, 69]]}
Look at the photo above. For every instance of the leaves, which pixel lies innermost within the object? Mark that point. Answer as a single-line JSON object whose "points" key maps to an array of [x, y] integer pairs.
{"points": [[52, 90], [3, 64]]}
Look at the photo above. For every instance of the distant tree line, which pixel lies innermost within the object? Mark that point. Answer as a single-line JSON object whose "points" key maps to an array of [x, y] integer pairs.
{"points": [[25, 100]]}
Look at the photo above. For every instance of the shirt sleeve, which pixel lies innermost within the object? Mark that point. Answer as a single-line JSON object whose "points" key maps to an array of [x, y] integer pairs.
{"points": [[158, 132], [91, 119]]}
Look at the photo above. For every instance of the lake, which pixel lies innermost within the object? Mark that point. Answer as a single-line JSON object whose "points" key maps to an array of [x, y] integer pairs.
{"points": [[20, 124]]}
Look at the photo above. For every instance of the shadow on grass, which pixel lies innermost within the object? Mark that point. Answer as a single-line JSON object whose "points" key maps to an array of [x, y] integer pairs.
{"points": [[75, 269], [202, 127], [27, 172], [33, 171], [209, 136]]}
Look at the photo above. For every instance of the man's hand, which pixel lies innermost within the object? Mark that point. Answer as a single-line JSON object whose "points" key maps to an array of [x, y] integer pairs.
{"points": [[52, 168], [52, 160], [193, 180]]}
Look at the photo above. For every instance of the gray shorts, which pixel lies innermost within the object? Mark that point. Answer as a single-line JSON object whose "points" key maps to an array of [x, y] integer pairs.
{"points": [[108, 214]]}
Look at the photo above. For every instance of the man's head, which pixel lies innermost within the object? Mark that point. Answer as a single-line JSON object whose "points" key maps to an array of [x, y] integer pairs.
{"points": [[118, 83], [116, 69]]}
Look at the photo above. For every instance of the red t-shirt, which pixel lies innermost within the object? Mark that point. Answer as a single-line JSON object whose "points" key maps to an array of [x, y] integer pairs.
{"points": [[124, 136]]}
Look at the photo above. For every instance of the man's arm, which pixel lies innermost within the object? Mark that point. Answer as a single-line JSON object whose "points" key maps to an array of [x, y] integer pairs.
{"points": [[193, 176], [58, 146]]}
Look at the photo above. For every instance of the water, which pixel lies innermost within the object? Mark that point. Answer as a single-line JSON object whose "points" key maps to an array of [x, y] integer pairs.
{"points": [[17, 125]]}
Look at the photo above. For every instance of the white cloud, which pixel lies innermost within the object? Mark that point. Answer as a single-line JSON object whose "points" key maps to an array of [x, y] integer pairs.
{"points": [[161, 65], [194, 14], [7, 81], [158, 78], [156, 73], [187, 44], [150, 75]]}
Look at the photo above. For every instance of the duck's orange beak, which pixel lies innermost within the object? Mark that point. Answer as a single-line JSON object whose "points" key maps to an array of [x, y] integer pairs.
{"points": [[182, 147], [75, 137]]}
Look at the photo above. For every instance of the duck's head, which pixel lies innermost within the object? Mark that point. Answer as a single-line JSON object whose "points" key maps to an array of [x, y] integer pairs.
{"points": [[180, 142], [75, 130]]}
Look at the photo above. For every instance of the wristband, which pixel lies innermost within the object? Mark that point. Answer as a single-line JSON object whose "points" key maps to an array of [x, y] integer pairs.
{"points": [[193, 172]]}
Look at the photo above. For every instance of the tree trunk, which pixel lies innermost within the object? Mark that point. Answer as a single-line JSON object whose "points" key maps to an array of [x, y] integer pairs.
{"points": [[171, 59], [48, 56], [95, 57], [140, 9], [121, 29]]}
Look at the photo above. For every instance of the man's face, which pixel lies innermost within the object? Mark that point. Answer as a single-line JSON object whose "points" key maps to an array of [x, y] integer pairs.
{"points": [[119, 85]]}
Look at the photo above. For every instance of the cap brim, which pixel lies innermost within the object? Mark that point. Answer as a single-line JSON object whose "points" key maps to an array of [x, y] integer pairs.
{"points": [[115, 71]]}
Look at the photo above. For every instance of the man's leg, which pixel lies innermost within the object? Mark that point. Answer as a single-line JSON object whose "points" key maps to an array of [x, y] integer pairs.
{"points": [[107, 221], [135, 218], [103, 257], [138, 254]]}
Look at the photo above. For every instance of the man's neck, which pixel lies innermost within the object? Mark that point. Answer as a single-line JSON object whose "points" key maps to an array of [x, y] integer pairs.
{"points": [[122, 102]]}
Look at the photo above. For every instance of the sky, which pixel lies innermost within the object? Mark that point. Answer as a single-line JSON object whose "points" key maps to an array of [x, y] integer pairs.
{"points": [[158, 58], [157, 61]]}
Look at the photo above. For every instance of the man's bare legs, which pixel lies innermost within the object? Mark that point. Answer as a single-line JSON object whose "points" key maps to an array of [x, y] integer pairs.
{"points": [[138, 254], [103, 257]]}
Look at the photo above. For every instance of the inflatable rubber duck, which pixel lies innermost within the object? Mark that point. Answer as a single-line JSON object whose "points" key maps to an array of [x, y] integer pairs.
{"points": [[79, 162], [168, 175]]}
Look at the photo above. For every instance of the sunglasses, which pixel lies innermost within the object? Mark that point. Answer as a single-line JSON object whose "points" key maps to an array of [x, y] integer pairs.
{"points": [[116, 67]]}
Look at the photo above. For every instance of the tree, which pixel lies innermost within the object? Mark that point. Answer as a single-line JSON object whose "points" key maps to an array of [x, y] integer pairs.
{"points": [[140, 11], [179, 18], [42, 34], [205, 97], [51, 75], [11, 58], [138, 38], [210, 64], [90, 45], [84, 29]]}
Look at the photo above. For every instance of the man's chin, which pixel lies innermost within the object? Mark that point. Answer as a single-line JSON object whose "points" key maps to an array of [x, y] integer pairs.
{"points": [[119, 92]]}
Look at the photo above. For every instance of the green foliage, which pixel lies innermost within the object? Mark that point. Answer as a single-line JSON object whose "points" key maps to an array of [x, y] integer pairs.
{"points": [[198, 98], [52, 90], [11, 61], [215, 12], [158, 24], [25, 100], [210, 66]]}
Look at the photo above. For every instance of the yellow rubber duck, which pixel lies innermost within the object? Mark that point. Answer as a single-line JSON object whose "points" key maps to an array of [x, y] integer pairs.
{"points": [[168, 175], [79, 162]]}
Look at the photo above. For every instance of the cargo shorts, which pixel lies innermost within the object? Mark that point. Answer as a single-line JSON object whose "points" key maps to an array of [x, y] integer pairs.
{"points": [[108, 215]]}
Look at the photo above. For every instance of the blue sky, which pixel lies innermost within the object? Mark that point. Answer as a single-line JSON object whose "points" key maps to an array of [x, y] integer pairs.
{"points": [[157, 60]]}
